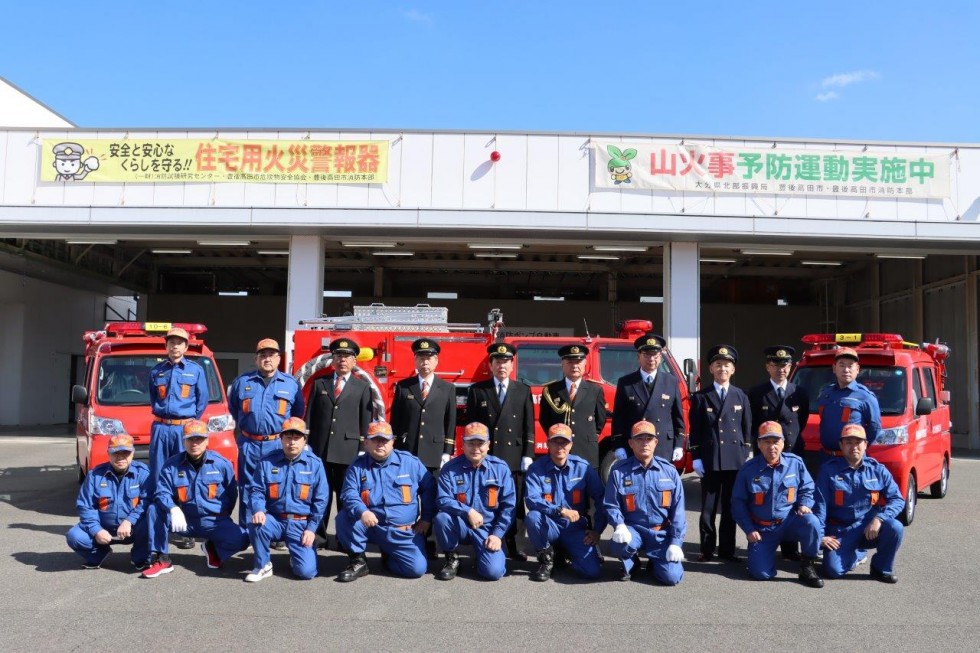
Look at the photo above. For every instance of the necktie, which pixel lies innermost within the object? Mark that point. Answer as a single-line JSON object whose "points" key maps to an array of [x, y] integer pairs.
{"points": [[722, 394], [338, 387], [425, 390], [501, 393], [649, 384], [571, 393], [780, 393]]}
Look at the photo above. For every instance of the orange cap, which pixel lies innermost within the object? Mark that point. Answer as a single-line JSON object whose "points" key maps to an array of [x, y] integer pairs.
{"points": [[195, 428], [177, 332], [853, 431], [643, 427], [476, 431], [121, 442], [846, 352], [770, 429], [267, 343], [380, 429], [561, 431], [294, 425]]}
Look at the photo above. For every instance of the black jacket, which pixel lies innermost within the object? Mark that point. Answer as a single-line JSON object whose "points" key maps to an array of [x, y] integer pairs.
{"points": [[662, 408], [586, 417], [425, 429], [338, 426], [720, 434], [792, 412], [511, 425]]}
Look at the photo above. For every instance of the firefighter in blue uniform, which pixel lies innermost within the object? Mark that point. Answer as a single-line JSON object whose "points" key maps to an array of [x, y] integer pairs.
{"points": [[772, 502], [858, 503], [644, 500], [560, 488], [476, 499], [291, 486], [260, 401], [649, 394], [195, 495], [178, 394], [111, 507], [845, 401], [780, 400], [721, 435], [380, 505]]}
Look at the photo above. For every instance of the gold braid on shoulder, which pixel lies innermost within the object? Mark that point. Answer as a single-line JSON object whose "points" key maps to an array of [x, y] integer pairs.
{"points": [[565, 410]]}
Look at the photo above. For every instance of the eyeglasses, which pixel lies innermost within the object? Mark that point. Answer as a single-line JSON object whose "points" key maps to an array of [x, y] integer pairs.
{"points": [[378, 439]]}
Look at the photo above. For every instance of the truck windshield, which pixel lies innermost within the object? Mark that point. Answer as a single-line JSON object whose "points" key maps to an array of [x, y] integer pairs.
{"points": [[537, 364], [125, 380], [890, 385]]}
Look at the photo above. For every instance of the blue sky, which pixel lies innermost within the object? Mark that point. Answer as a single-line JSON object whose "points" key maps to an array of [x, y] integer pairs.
{"points": [[906, 71]]}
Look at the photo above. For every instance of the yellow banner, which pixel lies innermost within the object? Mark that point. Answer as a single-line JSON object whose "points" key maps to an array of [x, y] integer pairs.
{"points": [[182, 160]]}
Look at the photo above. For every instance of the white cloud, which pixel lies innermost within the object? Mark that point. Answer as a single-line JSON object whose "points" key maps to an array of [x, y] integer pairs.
{"points": [[826, 97], [417, 16], [846, 79]]}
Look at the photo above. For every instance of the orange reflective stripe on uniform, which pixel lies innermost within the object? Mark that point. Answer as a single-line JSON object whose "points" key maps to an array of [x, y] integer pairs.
{"points": [[665, 499], [845, 415], [282, 407], [182, 495], [304, 492], [247, 406], [461, 497], [135, 501], [273, 490], [791, 495], [491, 497], [838, 497], [760, 498], [820, 410], [212, 490], [874, 498], [406, 494], [548, 498], [630, 500], [576, 497], [162, 391], [366, 497], [185, 391], [103, 503]]}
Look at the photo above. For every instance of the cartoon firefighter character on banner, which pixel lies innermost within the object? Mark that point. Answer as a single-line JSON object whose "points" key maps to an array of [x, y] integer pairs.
{"points": [[69, 164]]}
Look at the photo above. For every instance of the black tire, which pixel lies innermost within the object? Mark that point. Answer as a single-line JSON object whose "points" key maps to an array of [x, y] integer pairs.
{"points": [[912, 490], [938, 489], [606, 466]]}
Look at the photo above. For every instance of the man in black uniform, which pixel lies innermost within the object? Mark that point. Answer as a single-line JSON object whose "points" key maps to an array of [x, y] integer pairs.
{"points": [[781, 401], [340, 412], [649, 394], [576, 402], [721, 427], [423, 410], [505, 407]]}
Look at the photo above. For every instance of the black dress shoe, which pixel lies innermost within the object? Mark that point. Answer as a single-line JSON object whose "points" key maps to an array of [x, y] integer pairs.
{"points": [[809, 575], [546, 558], [358, 567], [881, 576], [730, 557], [706, 557], [182, 542], [513, 552], [450, 569]]}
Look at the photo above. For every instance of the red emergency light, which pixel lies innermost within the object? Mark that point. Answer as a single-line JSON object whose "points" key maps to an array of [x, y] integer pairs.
{"points": [[152, 328], [851, 338], [631, 329]]}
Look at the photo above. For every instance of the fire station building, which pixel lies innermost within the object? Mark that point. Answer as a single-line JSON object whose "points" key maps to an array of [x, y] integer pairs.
{"points": [[749, 241]]}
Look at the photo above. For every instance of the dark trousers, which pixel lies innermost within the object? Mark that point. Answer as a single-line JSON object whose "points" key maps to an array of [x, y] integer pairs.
{"points": [[716, 491], [520, 511], [335, 479]]}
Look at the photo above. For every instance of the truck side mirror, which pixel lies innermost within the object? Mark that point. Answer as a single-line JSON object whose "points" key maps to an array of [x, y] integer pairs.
{"points": [[691, 375], [925, 406], [79, 395], [944, 396]]}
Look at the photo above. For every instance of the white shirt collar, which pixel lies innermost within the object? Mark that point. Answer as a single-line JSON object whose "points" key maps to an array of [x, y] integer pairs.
{"points": [[648, 377], [429, 379], [569, 382], [718, 387], [776, 386]]}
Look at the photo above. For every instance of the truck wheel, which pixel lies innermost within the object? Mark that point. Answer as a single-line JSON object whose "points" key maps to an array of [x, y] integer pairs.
{"points": [[606, 466], [938, 489], [79, 471], [908, 513]]}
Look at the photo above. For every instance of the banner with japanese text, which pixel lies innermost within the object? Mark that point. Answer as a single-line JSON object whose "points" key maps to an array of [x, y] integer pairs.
{"points": [[204, 160], [694, 167]]}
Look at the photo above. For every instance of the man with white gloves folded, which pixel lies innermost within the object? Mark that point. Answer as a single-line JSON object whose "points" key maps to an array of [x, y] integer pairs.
{"points": [[195, 495], [645, 501]]}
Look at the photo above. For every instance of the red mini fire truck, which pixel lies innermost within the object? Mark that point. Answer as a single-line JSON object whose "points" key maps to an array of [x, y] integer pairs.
{"points": [[385, 335], [910, 383], [115, 396]]}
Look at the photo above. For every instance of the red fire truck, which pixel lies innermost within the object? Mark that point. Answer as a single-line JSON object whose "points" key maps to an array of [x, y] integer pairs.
{"points": [[115, 396], [910, 383], [385, 335]]}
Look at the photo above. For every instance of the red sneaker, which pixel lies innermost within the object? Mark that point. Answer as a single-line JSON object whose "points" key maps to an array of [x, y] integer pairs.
{"points": [[213, 561], [161, 565]]}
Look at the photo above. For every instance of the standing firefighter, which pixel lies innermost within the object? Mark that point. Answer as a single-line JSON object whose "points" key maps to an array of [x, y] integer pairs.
{"points": [[574, 401]]}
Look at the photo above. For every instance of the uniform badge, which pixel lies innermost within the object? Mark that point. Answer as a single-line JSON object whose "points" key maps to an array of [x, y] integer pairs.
{"points": [[363, 479], [765, 408], [180, 474], [590, 418], [781, 353], [460, 481], [411, 396], [483, 404], [344, 343], [424, 344], [723, 351], [547, 480], [103, 484], [248, 388], [710, 409], [794, 408], [738, 408], [501, 349], [632, 398], [665, 397], [575, 350], [628, 482], [275, 470]]}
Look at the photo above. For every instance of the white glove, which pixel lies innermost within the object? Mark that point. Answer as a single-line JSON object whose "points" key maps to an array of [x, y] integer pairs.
{"points": [[622, 535], [699, 467], [678, 454], [91, 163], [525, 463], [674, 553], [178, 523], [445, 459]]}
